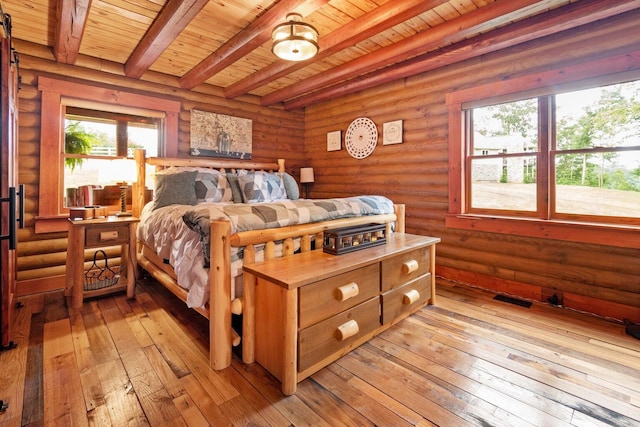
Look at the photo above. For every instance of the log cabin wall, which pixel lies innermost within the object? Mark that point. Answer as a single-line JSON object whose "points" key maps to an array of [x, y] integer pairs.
{"points": [[595, 278], [41, 257]]}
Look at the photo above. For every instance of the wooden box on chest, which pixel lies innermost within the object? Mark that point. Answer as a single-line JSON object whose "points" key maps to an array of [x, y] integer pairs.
{"points": [[348, 239]]}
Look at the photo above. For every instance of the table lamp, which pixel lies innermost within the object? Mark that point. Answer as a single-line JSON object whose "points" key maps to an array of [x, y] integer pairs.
{"points": [[306, 179]]}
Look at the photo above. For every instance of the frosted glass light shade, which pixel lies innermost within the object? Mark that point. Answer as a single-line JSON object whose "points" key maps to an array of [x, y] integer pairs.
{"points": [[294, 40]]}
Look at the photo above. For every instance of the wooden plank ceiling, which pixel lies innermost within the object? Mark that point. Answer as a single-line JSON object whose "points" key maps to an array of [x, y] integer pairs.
{"points": [[227, 43]]}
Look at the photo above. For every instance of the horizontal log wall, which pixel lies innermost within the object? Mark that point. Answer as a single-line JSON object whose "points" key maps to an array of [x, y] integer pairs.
{"points": [[41, 257], [595, 278]]}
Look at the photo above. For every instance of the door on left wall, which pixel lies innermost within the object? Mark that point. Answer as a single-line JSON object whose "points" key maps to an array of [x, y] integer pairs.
{"points": [[11, 195]]}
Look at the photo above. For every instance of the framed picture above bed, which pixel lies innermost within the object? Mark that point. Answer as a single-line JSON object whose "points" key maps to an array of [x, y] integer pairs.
{"points": [[218, 135]]}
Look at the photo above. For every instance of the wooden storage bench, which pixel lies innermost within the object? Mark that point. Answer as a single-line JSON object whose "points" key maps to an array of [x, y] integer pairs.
{"points": [[312, 308]]}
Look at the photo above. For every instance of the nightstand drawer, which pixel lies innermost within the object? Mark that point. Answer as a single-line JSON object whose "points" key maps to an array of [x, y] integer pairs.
{"points": [[325, 298], [406, 298], [321, 340], [404, 267], [112, 235]]}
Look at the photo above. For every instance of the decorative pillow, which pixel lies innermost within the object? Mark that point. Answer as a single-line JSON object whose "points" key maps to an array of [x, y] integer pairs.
{"points": [[212, 186], [175, 189], [236, 192], [254, 187], [291, 186], [275, 186]]}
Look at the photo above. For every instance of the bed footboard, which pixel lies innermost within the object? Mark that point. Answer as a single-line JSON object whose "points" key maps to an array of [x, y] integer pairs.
{"points": [[221, 335]]}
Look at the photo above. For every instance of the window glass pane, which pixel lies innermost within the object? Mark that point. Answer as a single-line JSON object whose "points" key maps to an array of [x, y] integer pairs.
{"points": [[500, 180], [95, 180], [599, 180], [90, 138], [603, 184], [143, 136], [103, 175], [607, 116], [512, 126], [506, 183]]}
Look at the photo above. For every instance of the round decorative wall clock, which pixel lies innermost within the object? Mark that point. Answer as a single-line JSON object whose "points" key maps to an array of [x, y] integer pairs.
{"points": [[361, 137]]}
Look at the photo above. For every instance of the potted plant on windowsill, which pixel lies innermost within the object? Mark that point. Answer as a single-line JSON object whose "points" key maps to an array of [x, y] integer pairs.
{"points": [[76, 141]]}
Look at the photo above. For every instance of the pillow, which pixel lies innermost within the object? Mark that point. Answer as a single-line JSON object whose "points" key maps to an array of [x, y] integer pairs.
{"points": [[175, 189], [275, 186], [212, 186], [254, 187], [291, 186], [236, 192]]}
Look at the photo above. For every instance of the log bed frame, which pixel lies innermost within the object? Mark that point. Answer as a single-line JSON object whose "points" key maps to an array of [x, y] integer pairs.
{"points": [[220, 308]]}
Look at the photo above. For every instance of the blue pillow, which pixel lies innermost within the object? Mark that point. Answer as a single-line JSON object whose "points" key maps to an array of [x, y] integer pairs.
{"points": [[291, 186]]}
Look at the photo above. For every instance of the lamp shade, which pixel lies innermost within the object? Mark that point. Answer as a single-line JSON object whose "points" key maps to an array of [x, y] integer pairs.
{"points": [[119, 170], [306, 175], [294, 40]]}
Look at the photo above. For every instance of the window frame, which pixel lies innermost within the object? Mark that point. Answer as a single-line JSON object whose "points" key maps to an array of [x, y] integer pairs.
{"points": [[55, 96], [615, 69], [543, 143]]}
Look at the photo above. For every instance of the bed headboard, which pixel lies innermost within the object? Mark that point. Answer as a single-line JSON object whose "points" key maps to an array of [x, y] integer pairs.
{"points": [[210, 162]]}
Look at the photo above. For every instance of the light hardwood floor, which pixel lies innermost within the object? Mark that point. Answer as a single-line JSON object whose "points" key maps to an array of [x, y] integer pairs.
{"points": [[470, 360]]}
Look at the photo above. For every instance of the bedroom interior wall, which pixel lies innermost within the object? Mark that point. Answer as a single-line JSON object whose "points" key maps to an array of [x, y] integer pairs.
{"points": [[595, 278], [41, 257]]}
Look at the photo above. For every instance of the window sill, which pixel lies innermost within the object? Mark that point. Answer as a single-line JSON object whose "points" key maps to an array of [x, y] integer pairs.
{"points": [[583, 232]]}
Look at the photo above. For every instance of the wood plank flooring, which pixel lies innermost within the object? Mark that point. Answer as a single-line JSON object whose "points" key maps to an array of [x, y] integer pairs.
{"points": [[470, 360]]}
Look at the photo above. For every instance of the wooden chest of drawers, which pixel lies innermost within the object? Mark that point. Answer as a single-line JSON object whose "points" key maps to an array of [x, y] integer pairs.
{"points": [[312, 308]]}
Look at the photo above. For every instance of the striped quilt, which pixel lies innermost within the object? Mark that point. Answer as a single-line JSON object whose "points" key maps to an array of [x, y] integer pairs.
{"points": [[259, 216]]}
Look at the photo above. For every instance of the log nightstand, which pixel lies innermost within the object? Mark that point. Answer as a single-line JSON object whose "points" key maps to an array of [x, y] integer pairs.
{"points": [[100, 233]]}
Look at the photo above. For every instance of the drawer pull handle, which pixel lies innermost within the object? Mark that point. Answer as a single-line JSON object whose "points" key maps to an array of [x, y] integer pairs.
{"points": [[411, 297], [347, 330], [108, 235], [410, 266], [347, 291]]}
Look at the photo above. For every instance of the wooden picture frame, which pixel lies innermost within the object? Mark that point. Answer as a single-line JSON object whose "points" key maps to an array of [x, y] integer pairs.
{"points": [[392, 132], [334, 140], [219, 135]]}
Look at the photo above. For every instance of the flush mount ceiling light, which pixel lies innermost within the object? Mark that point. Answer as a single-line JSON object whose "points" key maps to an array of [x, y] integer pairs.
{"points": [[294, 40]]}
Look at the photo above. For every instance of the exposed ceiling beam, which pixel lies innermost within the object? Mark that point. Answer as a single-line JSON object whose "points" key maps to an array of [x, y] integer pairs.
{"points": [[374, 22], [548, 23], [174, 17], [253, 36], [441, 35], [71, 17]]}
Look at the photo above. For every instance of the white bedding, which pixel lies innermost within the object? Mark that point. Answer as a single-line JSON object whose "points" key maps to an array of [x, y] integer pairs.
{"points": [[164, 231]]}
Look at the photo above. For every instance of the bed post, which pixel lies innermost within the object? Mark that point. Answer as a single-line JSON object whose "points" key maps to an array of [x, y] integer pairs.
{"points": [[220, 339], [140, 186], [399, 210]]}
